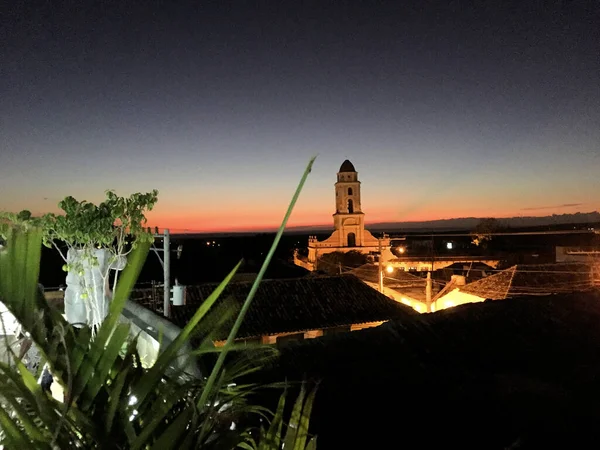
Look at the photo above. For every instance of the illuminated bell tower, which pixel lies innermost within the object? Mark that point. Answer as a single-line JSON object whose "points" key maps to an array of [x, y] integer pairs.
{"points": [[348, 219]]}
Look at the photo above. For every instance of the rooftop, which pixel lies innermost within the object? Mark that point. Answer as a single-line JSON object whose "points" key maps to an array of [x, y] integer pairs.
{"points": [[529, 364], [299, 304], [540, 279]]}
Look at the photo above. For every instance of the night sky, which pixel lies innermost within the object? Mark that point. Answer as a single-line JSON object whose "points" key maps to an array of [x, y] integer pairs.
{"points": [[447, 109]]}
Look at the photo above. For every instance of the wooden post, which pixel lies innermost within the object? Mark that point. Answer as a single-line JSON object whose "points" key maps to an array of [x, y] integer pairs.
{"points": [[428, 291], [380, 268]]}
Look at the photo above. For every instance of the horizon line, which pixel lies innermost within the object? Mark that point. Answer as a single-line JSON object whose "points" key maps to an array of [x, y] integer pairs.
{"points": [[323, 227]]}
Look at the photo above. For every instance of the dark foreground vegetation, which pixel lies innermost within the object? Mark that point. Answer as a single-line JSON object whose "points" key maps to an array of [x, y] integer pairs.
{"points": [[519, 373]]}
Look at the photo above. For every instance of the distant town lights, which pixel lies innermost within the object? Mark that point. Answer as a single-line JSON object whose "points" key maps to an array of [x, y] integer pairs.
{"points": [[401, 249], [449, 245]]}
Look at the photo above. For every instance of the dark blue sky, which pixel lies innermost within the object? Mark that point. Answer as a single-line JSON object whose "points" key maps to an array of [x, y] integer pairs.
{"points": [[447, 109]]}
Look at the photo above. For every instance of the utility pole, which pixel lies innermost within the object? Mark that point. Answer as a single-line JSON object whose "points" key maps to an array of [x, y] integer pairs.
{"points": [[428, 291], [428, 286], [167, 272], [432, 255], [380, 268], [165, 261]]}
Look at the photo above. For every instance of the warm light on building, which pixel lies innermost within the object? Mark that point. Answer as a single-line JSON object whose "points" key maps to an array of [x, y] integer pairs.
{"points": [[449, 245], [416, 305], [389, 269], [401, 249], [448, 304]]}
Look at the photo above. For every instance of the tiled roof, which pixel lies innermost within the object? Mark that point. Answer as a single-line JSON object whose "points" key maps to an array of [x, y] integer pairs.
{"points": [[536, 355], [299, 304], [541, 279]]}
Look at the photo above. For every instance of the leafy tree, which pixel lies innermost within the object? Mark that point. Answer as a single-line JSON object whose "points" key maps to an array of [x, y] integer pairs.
{"points": [[335, 262], [482, 233], [98, 238]]}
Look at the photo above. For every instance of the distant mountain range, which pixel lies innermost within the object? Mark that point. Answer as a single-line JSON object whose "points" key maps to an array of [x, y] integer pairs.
{"points": [[465, 223]]}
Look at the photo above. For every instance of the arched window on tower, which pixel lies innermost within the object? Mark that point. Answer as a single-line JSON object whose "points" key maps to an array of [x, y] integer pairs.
{"points": [[350, 206], [351, 240], [349, 191]]}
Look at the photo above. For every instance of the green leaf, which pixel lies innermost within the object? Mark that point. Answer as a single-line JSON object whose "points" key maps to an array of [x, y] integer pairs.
{"points": [[14, 437], [250, 297], [273, 438], [245, 446], [109, 354], [114, 400], [292, 430], [172, 435], [303, 422], [312, 444], [15, 391]]}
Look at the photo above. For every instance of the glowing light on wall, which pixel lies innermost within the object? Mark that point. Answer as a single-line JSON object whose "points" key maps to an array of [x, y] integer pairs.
{"points": [[448, 304]]}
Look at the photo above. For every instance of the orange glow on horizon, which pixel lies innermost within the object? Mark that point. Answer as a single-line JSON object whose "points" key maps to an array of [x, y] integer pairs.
{"points": [[267, 217], [222, 223], [195, 221]]}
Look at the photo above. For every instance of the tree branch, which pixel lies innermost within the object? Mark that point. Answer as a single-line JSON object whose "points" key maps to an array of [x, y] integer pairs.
{"points": [[59, 251]]}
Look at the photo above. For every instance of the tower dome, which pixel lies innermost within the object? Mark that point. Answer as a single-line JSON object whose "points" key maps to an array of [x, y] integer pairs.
{"points": [[347, 166]]}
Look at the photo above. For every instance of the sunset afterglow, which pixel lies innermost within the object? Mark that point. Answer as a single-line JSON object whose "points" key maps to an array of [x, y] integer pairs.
{"points": [[224, 124]]}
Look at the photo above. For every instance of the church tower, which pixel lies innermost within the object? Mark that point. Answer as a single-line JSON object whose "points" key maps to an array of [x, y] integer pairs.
{"points": [[349, 232], [348, 220]]}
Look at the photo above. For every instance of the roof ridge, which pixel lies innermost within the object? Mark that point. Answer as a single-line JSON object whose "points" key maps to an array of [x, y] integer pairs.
{"points": [[268, 280], [510, 282]]}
